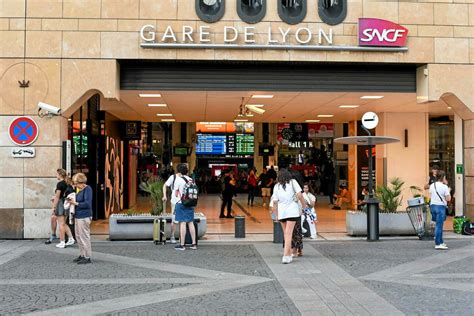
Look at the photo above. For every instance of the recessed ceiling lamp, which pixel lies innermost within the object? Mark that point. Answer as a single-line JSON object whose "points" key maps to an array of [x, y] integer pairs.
{"points": [[313, 121], [164, 114], [348, 106], [262, 96], [449, 108], [150, 95], [239, 120], [325, 115], [160, 105], [168, 120], [371, 97]]}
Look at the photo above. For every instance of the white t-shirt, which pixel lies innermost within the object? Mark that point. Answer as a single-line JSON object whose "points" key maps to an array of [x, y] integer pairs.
{"points": [[179, 188], [286, 206], [173, 187], [310, 199], [443, 191]]}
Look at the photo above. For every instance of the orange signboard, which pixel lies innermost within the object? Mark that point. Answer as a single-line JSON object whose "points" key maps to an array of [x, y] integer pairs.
{"points": [[224, 127]]}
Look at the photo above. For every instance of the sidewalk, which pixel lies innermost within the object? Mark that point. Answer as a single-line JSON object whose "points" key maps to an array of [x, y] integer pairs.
{"points": [[390, 277]]}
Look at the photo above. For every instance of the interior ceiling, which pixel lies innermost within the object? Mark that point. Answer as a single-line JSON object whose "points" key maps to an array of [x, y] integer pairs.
{"points": [[223, 106]]}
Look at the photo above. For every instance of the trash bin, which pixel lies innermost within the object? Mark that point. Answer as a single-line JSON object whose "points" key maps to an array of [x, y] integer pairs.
{"points": [[417, 214], [277, 233], [239, 227]]}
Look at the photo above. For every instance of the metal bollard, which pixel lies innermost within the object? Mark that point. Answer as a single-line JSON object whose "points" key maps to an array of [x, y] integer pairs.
{"points": [[277, 233], [239, 227]]}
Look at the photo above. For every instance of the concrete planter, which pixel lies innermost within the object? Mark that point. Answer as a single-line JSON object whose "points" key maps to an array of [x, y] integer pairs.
{"points": [[140, 226], [389, 224]]}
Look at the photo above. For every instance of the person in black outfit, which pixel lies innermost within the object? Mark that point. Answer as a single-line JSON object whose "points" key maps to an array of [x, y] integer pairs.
{"points": [[228, 193]]}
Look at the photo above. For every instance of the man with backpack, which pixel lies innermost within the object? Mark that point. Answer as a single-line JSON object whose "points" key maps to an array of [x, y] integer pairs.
{"points": [[187, 193]]}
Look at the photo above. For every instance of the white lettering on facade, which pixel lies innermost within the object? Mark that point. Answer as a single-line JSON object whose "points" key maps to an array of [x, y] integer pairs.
{"points": [[228, 29], [169, 34], [309, 35], [327, 37], [147, 33], [204, 33], [249, 34], [188, 33], [270, 39], [284, 34]]}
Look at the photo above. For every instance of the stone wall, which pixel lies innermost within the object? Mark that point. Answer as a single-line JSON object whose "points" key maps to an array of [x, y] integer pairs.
{"points": [[469, 167]]}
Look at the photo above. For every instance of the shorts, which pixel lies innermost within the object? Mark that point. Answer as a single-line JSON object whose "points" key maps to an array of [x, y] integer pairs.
{"points": [[184, 214], [266, 191], [60, 211], [290, 219]]}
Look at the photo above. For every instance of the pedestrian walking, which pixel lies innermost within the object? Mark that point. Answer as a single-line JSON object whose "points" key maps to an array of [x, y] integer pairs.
{"points": [[170, 183], [252, 187], [184, 214], [83, 217], [286, 194], [59, 211], [228, 192], [309, 211], [440, 196]]}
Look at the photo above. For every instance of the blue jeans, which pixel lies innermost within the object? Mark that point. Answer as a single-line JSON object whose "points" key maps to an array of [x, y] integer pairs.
{"points": [[438, 215]]}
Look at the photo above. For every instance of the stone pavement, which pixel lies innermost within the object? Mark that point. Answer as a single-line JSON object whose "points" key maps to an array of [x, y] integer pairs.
{"points": [[391, 277]]}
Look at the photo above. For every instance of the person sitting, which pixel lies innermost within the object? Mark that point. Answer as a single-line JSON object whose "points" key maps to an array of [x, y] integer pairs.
{"points": [[362, 204], [342, 198]]}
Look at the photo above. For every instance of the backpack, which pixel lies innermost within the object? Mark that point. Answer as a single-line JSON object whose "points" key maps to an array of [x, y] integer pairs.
{"points": [[190, 193]]}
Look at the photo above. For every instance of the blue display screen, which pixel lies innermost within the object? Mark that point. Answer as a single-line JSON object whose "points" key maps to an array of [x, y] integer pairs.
{"points": [[211, 144]]}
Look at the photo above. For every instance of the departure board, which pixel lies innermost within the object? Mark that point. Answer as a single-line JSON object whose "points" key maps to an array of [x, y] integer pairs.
{"points": [[211, 144], [244, 144]]}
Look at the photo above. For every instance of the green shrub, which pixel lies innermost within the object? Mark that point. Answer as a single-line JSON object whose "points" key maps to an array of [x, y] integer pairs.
{"points": [[155, 188], [389, 195]]}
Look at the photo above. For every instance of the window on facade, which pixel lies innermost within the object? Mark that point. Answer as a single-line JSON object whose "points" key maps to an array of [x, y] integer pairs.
{"points": [[251, 11], [332, 12], [292, 11], [210, 11]]}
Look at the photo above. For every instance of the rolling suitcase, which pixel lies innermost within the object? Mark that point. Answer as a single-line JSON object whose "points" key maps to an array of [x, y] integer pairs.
{"points": [[159, 231]]}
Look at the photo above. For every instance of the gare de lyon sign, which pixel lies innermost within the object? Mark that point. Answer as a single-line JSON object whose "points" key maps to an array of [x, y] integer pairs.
{"points": [[373, 35]]}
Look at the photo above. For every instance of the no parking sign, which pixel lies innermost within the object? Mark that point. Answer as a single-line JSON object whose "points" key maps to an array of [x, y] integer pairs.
{"points": [[23, 131]]}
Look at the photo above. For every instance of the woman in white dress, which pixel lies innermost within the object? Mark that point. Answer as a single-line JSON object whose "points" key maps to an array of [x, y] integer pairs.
{"points": [[286, 194]]}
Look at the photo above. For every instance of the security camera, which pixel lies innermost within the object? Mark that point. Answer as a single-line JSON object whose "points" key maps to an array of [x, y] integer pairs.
{"points": [[47, 109]]}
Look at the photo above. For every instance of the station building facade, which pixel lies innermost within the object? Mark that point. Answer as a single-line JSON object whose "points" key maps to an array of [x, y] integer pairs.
{"points": [[82, 56]]}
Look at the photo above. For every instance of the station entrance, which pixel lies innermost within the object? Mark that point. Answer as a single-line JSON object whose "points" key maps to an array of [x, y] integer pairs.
{"points": [[239, 116]]}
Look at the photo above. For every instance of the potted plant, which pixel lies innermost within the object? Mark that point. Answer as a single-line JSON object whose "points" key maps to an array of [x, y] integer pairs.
{"points": [[418, 198], [392, 221], [155, 189]]}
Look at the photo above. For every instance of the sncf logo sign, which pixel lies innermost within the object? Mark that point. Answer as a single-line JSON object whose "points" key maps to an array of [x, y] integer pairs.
{"points": [[377, 32]]}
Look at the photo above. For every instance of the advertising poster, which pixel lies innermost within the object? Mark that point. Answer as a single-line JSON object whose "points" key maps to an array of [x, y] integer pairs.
{"points": [[363, 164]]}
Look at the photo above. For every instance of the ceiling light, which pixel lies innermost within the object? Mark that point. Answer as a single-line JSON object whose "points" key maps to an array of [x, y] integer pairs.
{"points": [[262, 96], [164, 114], [240, 120], [313, 121], [256, 105], [348, 106], [325, 115], [449, 108], [150, 95], [371, 97], [168, 120], [249, 115], [161, 105]]}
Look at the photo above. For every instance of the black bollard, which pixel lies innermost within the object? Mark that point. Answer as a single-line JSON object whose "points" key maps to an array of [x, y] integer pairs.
{"points": [[239, 227], [277, 233]]}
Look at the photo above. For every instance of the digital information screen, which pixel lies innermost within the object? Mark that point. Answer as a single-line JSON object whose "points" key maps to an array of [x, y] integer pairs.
{"points": [[244, 144], [211, 144], [225, 144]]}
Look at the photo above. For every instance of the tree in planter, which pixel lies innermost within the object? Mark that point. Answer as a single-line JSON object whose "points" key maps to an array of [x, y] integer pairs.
{"points": [[155, 189], [389, 195]]}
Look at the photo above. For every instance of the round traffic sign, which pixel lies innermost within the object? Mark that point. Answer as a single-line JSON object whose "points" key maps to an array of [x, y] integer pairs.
{"points": [[370, 120], [23, 131]]}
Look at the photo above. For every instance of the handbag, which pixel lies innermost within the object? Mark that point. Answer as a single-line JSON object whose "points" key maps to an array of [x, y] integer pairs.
{"points": [[295, 197]]}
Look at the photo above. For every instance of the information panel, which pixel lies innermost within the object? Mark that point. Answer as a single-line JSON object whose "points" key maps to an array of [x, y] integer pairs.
{"points": [[244, 144], [211, 144]]}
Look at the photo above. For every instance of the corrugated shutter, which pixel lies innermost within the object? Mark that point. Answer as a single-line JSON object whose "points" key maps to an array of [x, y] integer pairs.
{"points": [[266, 76]]}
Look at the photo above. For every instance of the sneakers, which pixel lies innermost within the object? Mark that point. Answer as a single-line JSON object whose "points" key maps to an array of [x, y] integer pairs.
{"points": [[173, 240], [180, 248], [193, 247], [51, 239], [62, 244], [314, 237], [441, 247], [78, 259], [230, 216], [70, 242], [84, 260], [286, 259]]}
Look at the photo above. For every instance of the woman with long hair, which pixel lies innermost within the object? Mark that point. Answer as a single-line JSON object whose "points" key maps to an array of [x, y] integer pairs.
{"points": [[58, 209], [286, 194]]}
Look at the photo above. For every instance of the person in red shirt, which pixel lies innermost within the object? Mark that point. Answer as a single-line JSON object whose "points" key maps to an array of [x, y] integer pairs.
{"points": [[252, 182]]}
